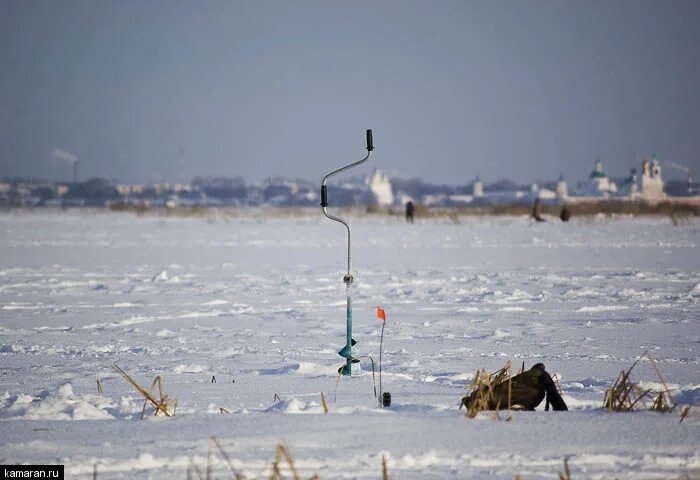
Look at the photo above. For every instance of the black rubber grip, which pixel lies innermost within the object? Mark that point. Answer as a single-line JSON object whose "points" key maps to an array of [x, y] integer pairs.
{"points": [[324, 195], [370, 145]]}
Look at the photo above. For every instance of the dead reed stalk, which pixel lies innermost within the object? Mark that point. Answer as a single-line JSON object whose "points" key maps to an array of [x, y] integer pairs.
{"points": [[483, 388], [236, 474], [282, 455], [567, 473], [663, 401], [323, 402], [625, 395], [192, 468], [687, 409], [282, 458], [356, 360], [684, 413], [162, 405]]}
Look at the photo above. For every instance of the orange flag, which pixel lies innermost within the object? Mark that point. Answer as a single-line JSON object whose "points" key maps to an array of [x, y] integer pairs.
{"points": [[380, 313]]}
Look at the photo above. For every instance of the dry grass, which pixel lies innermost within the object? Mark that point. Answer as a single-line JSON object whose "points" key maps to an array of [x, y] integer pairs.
{"points": [[323, 402], [622, 207], [679, 212], [282, 456], [626, 396], [236, 474], [356, 360], [213, 447], [567, 473], [282, 464], [623, 395], [561, 476], [483, 388], [685, 413], [163, 405], [679, 218], [140, 208]]}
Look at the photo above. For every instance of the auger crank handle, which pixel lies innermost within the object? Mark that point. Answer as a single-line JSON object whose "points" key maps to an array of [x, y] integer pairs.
{"points": [[370, 145], [324, 196]]}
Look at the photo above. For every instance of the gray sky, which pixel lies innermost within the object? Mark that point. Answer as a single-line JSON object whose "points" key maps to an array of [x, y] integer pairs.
{"points": [[525, 89]]}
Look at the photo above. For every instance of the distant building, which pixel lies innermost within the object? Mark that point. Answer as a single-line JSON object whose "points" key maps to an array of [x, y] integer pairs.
{"points": [[652, 184], [630, 187], [562, 191], [546, 194], [126, 189], [598, 182], [380, 185], [477, 188]]}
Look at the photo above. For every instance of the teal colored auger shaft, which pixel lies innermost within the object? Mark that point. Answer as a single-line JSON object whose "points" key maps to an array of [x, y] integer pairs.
{"points": [[346, 351]]}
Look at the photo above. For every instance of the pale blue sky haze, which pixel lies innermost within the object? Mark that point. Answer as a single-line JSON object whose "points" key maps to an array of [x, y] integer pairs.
{"points": [[525, 89]]}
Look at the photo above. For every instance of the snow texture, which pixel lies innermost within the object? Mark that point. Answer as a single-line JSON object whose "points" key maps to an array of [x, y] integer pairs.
{"points": [[245, 315]]}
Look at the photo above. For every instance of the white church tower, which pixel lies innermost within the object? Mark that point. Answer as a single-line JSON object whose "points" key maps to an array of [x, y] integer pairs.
{"points": [[652, 184], [381, 188], [477, 188], [598, 182], [562, 191]]}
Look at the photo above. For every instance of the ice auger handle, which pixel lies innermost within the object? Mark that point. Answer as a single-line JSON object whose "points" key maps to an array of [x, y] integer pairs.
{"points": [[370, 145], [324, 196]]}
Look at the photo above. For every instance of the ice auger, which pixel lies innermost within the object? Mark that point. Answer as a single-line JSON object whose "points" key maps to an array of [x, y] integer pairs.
{"points": [[346, 351]]}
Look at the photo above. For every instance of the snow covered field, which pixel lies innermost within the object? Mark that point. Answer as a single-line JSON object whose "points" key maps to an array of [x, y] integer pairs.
{"points": [[259, 303]]}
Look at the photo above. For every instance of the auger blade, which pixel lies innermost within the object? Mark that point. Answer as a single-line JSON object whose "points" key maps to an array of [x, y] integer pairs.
{"points": [[345, 352]]}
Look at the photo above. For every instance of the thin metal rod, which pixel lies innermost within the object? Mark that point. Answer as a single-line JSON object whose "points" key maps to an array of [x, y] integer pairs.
{"points": [[346, 167], [338, 219], [348, 327], [381, 343]]}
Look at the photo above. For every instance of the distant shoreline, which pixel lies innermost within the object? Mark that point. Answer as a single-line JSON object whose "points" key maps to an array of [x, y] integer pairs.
{"points": [[675, 207]]}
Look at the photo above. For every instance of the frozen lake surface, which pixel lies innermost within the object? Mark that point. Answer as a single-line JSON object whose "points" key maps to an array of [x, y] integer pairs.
{"points": [[259, 303]]}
